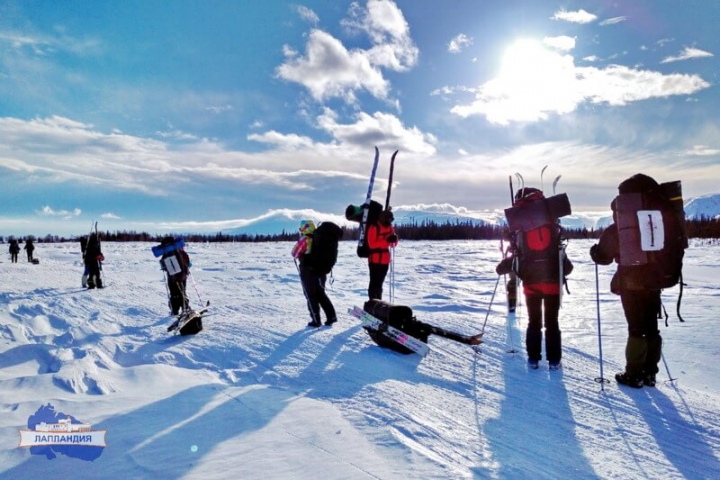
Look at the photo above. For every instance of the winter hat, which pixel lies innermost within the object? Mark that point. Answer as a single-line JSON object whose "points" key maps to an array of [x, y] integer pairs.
{"points": [[307, 227], [638, 183]]}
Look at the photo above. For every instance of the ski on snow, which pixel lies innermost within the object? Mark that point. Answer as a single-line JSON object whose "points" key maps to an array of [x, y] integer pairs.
{"points": [[369, 321]]}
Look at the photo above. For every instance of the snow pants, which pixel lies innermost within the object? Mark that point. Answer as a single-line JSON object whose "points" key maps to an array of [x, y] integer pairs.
{"points": [[543, 310], [644, 345], [314, 288]]}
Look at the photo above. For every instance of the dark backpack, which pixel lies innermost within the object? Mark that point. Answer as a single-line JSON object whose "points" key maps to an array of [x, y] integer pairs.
{"points": [[651, 230], [355, 214], [538, 251], [324, 251], [537, 235]]}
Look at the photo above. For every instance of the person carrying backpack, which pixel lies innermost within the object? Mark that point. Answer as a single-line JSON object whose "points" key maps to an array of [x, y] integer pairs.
{"points": [[92, 258], [536, 256], [647, 241], [29, 248], [381, 237], [316, 251], [175, 262], [14, 250]]}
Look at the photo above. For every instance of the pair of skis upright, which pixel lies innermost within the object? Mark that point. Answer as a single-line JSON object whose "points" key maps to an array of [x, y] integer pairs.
{"points": [[368, 196]]}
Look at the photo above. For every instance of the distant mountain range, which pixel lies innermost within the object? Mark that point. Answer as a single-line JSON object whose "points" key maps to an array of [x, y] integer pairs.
{"points": [[285, 220]]}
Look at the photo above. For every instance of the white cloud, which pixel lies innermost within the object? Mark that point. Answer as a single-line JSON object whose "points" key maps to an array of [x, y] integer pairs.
{"points": [[284, 141], [562, 42], [110, 216], [328, 69], [48, 211], [308, 15], [535, 82], [687, 54], [380, 129], [702, 151], [580, 16], [613, 21], [459, 42]]}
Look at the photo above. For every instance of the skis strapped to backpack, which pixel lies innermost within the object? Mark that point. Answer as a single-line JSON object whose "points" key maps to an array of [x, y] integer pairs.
{"points": [[362, 249]]}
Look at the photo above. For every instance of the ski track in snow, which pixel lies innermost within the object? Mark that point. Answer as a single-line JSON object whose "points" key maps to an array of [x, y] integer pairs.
{"points": [[262, 396]]}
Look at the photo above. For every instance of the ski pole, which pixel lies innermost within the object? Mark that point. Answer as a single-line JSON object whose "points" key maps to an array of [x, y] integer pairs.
{"points": [[392, 275], [487, 314], [667, 369], [196, 289], [601, 379]]}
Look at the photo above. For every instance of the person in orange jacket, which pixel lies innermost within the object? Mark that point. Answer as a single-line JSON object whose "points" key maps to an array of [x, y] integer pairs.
{"points": [[381, 237]]}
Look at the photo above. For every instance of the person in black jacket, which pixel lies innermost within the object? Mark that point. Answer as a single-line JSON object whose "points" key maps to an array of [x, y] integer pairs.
{"points": [[641, 305], [93, 258], [176, 265], [29, 248], [313, 281], [14, 250]]}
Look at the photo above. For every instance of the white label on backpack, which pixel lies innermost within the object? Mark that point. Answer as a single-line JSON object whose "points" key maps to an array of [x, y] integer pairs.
{"points": [[652, 230], [172, 265]]}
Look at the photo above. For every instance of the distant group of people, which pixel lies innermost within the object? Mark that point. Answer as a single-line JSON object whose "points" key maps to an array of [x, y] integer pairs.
{"points": [[14, 249], [538, 259]]}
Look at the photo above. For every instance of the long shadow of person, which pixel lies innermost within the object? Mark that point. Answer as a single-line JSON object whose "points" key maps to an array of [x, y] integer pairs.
{"points": [[541, 426], [671, 429]]}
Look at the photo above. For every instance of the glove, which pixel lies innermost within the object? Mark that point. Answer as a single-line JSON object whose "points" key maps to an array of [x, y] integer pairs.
{"points": [[392, 238], [593, 252], [504, 267]]}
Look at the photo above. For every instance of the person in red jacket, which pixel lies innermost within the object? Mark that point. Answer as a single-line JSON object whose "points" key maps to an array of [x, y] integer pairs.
{"points": [[381, 238], [535, 259]]}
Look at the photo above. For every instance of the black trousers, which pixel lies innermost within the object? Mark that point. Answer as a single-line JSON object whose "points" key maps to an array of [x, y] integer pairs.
{"points": [[547, 317], [94, 278], [644, 346], [314, 289], [378, 272], [178, 297]]}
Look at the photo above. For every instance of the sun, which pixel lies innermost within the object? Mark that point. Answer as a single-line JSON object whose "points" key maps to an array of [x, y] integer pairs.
{"points": [[533, 80]]}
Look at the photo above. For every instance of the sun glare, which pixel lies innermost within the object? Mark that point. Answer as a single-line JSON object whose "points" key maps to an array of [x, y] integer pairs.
{"points": [[534, 80]]}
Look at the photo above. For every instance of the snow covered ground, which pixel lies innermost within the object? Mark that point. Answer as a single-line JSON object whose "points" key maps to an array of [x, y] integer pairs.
{"points": [[259, 395]]}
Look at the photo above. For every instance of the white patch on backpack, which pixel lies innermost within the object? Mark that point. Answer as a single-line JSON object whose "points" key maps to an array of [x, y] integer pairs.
{"points": [[652, 230]]}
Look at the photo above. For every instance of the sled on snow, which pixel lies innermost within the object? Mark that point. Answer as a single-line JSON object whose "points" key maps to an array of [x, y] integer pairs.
{"points": [[395, 327]]}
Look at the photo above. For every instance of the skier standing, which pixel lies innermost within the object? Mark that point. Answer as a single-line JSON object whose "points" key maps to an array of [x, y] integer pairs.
{"points": [[641, 272], [92, 258], [29, 248], [536, 261], [14, 250], [175, 262], [381, 237]]}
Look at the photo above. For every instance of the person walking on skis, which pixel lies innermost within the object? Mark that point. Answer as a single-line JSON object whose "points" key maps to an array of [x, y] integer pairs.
{"points": [[381, 237]]}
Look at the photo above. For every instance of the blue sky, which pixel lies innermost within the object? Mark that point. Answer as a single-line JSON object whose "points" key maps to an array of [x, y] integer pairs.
{"points": [[202, 116]]}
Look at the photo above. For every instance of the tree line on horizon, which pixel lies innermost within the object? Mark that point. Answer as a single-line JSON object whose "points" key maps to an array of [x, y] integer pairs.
{"points": [[705, 228]]}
